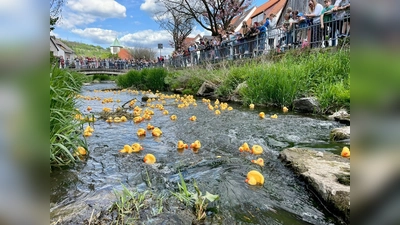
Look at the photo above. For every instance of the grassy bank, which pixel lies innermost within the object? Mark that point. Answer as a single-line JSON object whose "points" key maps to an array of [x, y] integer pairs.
{"points": [[271, 81], [65, 134], [278, 81]]}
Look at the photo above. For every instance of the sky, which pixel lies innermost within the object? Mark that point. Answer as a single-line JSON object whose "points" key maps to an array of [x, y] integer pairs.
{"points": [[99, 22]]}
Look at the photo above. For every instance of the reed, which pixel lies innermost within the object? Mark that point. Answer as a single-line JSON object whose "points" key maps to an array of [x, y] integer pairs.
{"points": [[65, 134]]}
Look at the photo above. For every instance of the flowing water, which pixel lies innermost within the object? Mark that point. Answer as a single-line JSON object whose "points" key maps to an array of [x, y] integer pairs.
{"points": [[218, 167]]}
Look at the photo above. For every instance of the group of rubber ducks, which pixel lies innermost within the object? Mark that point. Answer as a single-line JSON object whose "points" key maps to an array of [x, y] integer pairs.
{"points": [[254, 177], [88, 131], [275, 116]]}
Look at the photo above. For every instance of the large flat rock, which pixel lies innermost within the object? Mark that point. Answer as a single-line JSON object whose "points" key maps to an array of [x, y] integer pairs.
{"points": [[327, 173]]}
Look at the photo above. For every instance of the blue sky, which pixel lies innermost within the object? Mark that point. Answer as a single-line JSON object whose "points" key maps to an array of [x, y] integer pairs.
{"points": [[99, 22]]}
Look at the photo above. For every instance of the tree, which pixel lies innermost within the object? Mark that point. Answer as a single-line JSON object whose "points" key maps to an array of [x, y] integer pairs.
{"points": [[142, 53], [55, 12], [212, 15], [179, 25]]}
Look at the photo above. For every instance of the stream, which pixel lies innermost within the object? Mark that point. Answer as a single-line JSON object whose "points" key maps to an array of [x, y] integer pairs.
{"points": [[219, 167]]}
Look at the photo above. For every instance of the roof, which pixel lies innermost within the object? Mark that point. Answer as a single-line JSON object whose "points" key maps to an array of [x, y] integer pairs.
{"points": [[237, 21], [124, 54], [116, 43], [61, 45], [272, 6], [54, 43]]}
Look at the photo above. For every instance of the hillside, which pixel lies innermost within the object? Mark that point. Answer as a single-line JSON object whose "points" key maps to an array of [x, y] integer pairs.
{"points": [[82, 49]]}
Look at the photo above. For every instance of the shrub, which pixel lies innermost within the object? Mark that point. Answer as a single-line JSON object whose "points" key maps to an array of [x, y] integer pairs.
{"points": [[155, 78]]}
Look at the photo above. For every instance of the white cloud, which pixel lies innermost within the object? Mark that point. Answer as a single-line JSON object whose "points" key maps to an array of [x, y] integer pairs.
{"points": [[103, 8], [97, 35], [146, 38], [152, 6], [84, 12]]}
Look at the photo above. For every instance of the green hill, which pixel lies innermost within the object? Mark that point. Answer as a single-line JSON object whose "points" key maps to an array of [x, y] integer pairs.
{"points": [[82, 49]]}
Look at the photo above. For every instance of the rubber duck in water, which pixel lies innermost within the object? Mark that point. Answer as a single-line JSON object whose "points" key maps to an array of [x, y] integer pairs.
{"points": [[258, 161], [136, 147], [165, 112], [251, 106], [345, 152], [141, 132], [81, 150], [254, 178], [173, 117], [256, 150], [196, 145], [110, 120], [182, 145], [244, 148], [262, 115], [193, 118], [156, 132], [274, 116], [285, 109], [217, 112], [126, 149], [150, 127], [89, 108], [149, 159]]}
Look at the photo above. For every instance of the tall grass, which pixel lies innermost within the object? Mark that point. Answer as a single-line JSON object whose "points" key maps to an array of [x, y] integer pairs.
{"points": [[144, 79], [64, 130]]}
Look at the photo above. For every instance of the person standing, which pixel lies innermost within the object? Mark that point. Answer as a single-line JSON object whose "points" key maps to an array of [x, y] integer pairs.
{"points": [[326, 21], [314, 13]]}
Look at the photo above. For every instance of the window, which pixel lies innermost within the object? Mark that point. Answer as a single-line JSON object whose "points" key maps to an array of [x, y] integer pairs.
{"points": [[259, 18]]}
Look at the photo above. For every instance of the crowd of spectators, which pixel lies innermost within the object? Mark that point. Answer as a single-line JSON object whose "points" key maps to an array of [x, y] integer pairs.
{"points": [[320, 26], [98, 63]]}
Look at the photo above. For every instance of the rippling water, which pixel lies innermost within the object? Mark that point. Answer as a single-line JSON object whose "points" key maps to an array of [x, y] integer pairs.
{"points": [[283, 199]]}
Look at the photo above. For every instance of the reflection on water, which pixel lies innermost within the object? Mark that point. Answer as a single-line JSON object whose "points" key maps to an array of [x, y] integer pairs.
{"points": [[218, 167]]}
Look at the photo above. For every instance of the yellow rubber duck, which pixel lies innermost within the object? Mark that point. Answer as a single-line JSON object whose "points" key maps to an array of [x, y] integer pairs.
{"points": [[165, 112], [217, 112], [182, 145], [262, 115], [258, 161], [110, 120], [256, 149], [216, 102], [141, 132], [230, 108], [89, 129], [156, 132], [136, 147], [173, 117], [89, 108], [251, 106], [254, 178], [274, 116], [149, 159], [81, 150], [117, 119], [150, 127], [285, 110], [345, 152], [193, 118], [126, 149], [244, 148], [138, 119], [195, 145]]}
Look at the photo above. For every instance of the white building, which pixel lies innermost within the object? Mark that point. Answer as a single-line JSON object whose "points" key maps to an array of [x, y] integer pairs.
{"points": [[115, 47], [60, 49]]}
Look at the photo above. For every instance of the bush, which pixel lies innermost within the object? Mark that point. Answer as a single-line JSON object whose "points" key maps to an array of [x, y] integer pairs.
{"points": [[155, 78]]}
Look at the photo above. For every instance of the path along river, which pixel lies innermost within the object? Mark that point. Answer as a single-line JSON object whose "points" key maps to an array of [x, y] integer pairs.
{"points": [[218, 167]]}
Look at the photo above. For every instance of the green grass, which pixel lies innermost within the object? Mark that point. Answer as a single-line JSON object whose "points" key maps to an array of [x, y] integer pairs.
{"points": [[194, 199], [65, 133], [153, 79]]}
